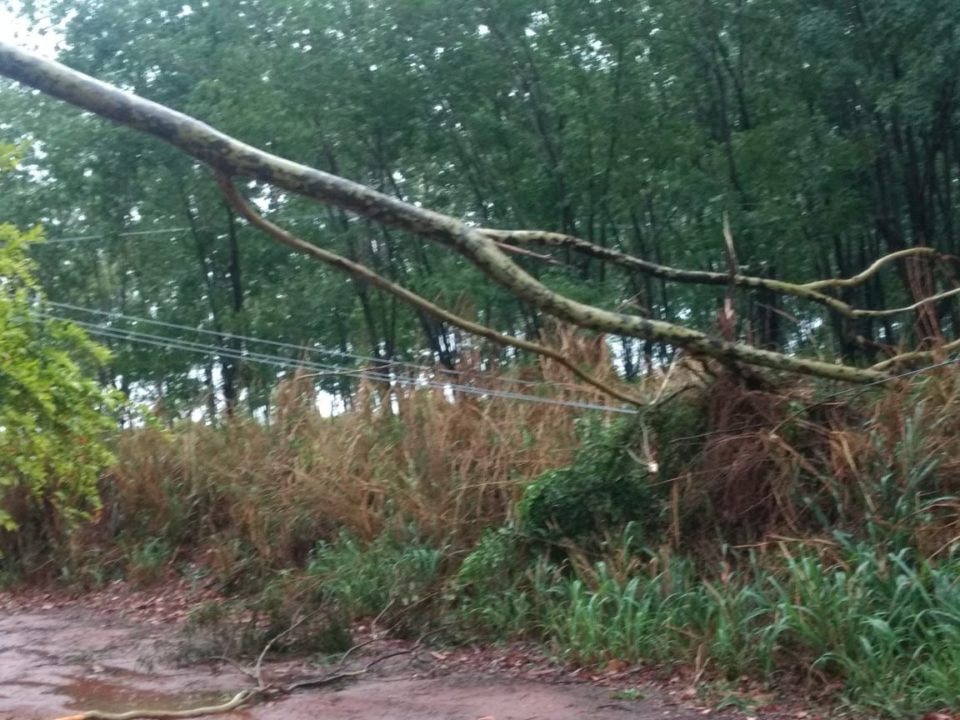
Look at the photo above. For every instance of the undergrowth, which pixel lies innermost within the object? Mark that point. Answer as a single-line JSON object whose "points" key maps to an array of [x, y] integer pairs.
{"points": [[737, 529], [882, 626]]}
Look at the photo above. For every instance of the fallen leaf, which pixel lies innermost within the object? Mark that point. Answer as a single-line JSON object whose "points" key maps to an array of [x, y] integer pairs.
{"points": [[615, 666]]}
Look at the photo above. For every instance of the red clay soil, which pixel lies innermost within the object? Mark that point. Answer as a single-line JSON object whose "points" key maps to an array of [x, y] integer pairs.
{"points": [[62, 658]]}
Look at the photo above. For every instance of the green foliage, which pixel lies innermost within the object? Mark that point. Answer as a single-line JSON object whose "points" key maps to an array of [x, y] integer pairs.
{"points": [[386, 578], [592, 118], [678, 429], [883, 625], [149, 561], [10, 156], [490, 590], [493, 563], [605, 488], [627, 694], [53, 414]]}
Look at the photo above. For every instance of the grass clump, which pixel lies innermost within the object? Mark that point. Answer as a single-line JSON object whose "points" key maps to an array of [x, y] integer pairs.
{"points": [[396, 582], [881, 626], [286, 612]]}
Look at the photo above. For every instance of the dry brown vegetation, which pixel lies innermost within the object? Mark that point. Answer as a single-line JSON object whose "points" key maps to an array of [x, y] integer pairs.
{"points": [[774, 464], [738, 464], [399, 457]]}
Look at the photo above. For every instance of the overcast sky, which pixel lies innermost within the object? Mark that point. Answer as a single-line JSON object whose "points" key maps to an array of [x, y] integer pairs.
{"points": [[18, 31]]}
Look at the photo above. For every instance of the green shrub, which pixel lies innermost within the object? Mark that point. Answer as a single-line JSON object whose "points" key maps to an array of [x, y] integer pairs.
{"points": [[387, 578], [149, 561], [605, 488], [494, 562], [490, 591], [53, 414], [677, 428]]}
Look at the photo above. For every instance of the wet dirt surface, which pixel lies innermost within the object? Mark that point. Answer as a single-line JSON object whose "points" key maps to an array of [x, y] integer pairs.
{"points": [[66, 660], [57, 661]]}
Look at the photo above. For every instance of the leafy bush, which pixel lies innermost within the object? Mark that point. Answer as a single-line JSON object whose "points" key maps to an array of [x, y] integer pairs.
{"points": [[493, 563], [490, 591], [386, 578], [605, 488], [53, 414]]}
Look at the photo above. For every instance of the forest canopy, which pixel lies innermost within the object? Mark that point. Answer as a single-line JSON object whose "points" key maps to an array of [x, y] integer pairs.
{"points": [[796, 141]]}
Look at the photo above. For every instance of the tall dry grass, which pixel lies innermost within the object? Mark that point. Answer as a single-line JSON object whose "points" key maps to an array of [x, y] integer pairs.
{"points": [[796, 462], [740, 460], [400, 458]]}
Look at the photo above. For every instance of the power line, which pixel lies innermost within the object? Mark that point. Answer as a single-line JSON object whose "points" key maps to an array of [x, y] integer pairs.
{"points": [[286, 345], [132, 233], [220, 351], [221, 335], [362, 374], [180, 343], [289, 363], [155, 231]]}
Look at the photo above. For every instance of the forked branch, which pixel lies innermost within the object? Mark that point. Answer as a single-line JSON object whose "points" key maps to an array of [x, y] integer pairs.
{"points": [[806, 291], [365, 274]]}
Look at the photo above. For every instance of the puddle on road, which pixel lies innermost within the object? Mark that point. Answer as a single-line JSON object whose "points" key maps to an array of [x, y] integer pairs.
{"points": [[95, 694]]}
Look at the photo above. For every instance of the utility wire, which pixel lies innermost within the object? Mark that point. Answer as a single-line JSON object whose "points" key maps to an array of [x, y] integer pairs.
{"points": [[132, 233], [192, 345], [362, 374], [181, 344], [289, 363], [286, 345], [141, 233]]}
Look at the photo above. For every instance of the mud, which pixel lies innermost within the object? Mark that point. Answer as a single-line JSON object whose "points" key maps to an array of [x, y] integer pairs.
{"points": [[63, 661]]}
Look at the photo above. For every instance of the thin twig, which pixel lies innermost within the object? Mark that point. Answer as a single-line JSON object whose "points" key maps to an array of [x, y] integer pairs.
{"points": [[336, 677], [257, 670], [234, 664]]}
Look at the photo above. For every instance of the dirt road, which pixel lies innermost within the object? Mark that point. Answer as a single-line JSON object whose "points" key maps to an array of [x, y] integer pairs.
{"points": [[59, 661]]}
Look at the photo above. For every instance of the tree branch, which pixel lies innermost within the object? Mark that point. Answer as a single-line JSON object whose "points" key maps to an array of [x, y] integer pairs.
{"points": [[234, 158], [915, 358], [875, 267], [365, 274], [805, 291]]}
